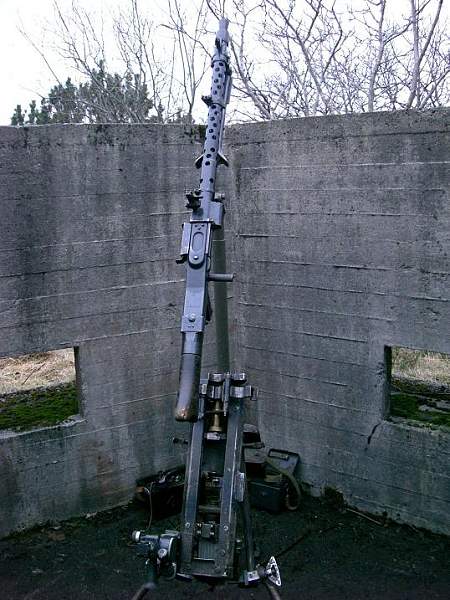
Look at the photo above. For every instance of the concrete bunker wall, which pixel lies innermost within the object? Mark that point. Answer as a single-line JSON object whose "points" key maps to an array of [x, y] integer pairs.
{"points": [[90, 228], [342, 248], [338, 231]]}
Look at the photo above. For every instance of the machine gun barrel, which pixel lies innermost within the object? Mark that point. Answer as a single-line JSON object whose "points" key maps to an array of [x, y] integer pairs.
{"points": [[207, 215], [190, 368]]}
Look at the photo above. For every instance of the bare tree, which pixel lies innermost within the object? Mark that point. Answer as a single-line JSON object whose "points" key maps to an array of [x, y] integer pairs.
{"points": [[192, 55], [376, 38], [312, 59], [406, 61], [136, 36], [290, 57], [79, 41], [165, 61], [425, 51], [435, 77], [297, 43], [169, 57]]}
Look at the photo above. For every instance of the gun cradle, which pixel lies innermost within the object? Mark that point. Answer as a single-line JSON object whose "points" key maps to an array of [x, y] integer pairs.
{"points": [[215, 483], [215, 542]]}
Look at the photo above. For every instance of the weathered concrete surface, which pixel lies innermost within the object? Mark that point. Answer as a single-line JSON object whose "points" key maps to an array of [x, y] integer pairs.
{"points": [[342, 248], [338, 233], [90, 229]]}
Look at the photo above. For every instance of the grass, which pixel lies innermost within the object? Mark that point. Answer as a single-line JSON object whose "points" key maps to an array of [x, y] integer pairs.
{"points": [[30, 371], [408, 406], [422, 365], [42, 407], [420, 386], [37, 390]]}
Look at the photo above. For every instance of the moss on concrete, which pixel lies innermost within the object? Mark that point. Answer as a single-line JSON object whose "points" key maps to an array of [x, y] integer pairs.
{"points": [[41, 407], [407, 406], [431, 390]]}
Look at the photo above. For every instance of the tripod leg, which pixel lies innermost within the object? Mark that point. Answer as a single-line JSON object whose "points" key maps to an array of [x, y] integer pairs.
{"points": [[142, 591], [248, 532]]}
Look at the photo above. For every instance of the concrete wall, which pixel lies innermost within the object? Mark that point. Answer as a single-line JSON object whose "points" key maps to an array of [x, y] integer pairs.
{"points": [[342, 248], [89, 232], [338, 231]]}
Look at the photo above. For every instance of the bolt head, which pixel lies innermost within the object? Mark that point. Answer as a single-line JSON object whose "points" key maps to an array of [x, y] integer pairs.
{"points": [[135, 536], [238, 378]]}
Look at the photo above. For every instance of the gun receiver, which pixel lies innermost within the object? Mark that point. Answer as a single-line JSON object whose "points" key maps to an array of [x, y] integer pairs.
{"points": [[196, 244]]}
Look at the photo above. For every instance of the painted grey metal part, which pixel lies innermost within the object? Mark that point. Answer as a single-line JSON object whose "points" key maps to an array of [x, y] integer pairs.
{"points": [[208, 530], [216, 502], [220, 300], [215, 485], [207, 216]]}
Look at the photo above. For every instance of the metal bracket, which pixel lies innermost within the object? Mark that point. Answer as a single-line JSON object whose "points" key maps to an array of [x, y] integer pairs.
{"points": [[221, 277], [239, 489], [193, 323], [185, 241], [273, 572], [199, 243]]}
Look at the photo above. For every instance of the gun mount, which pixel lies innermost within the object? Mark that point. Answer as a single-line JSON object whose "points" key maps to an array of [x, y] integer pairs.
{"points": [[215, 541]]}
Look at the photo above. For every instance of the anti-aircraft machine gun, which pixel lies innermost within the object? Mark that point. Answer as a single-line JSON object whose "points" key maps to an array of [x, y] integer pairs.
{"points": [[215, 541]]}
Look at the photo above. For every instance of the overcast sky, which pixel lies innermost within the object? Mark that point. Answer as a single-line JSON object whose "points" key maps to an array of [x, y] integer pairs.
{"points": [[23, 73]]}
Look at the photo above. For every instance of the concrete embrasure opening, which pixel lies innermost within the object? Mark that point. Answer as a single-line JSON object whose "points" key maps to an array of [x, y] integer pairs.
{"points": [[419, 386], [38, 390]]}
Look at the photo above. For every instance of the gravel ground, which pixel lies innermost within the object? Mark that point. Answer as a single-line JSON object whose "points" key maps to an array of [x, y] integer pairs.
{"points": [[324, 550]]}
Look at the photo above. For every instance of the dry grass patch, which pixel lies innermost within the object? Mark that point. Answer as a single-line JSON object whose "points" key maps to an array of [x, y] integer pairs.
{"points": [[37, 390], [31, 371], [420, 386], [422, 365]]}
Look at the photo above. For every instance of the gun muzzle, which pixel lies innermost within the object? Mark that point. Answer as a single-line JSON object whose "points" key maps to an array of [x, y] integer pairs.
{"points": [[188, 390], [222, 34]]}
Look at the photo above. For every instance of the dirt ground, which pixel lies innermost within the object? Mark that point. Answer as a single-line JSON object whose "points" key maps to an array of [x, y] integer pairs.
{"points": [[324, 552]]}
